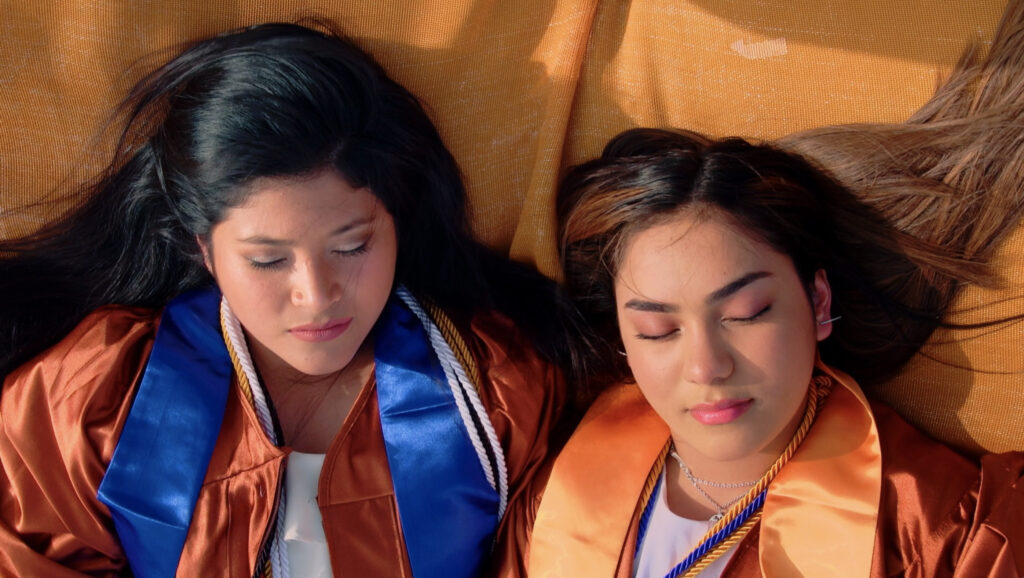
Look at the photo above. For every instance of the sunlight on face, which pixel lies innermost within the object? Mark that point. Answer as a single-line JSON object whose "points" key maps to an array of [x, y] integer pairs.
{"points": [[307, 265], [720, 335]]}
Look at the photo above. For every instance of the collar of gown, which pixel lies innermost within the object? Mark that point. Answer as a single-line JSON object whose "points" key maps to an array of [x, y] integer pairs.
{"points": [[819, 518]]}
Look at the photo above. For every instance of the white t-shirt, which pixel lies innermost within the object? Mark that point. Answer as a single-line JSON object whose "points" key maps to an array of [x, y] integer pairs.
{"points": [[303, 526], [670, 539]]}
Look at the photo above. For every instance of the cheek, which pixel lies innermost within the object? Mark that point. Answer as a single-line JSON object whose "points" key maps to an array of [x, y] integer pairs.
{"points": [[772, 346], [788, 340], [248, 289], [787, 359], [376, 274], [383, 270], [656, 373]]}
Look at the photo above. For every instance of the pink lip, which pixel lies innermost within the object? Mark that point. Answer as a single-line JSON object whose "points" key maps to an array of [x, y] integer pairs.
{"points": [[318, 332], [720, 412]]}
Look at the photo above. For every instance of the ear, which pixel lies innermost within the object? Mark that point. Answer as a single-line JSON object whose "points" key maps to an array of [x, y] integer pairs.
{"points": [[207, 256], [821, 302]]}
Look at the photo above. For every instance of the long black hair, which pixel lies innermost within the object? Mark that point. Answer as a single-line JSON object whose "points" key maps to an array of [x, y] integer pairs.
{"points": [[272, 100]]}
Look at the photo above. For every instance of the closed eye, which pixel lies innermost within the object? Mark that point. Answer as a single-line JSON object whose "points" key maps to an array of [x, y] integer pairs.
{"points": [[352, 252], [659, 337], [750, 319], [272, 264]]}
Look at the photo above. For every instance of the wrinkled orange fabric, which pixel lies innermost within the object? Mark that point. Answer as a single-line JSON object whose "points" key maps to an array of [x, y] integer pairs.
{"points": [[61, 414], [865, 495]]}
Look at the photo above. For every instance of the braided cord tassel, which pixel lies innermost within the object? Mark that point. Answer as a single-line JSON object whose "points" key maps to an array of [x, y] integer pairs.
{"points": [[275, 555], [244, 368], [452, 336], [463, 389]]}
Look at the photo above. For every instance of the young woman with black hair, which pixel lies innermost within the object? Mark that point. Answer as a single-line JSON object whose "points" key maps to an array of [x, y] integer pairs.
{"points": [[266, 343]]}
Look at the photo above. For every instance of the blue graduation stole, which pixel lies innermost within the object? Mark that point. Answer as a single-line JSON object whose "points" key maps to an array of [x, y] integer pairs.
{"points": [[448, 511], [447, 508], [153, 479]]}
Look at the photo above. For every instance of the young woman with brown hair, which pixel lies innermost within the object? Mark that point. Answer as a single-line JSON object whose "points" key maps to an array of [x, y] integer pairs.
{"points": [[737, 293]]}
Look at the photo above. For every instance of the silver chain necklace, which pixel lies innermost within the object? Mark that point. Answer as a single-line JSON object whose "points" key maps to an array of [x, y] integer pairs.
{"points": [[698, 482]]}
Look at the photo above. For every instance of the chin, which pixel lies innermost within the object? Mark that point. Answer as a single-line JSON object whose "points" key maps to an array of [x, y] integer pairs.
{"points": [[317, 370], [727, 448], [321, 365]]}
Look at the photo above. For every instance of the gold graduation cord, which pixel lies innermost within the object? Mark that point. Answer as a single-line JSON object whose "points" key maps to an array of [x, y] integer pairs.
{"points": [[455, 341], [244, 385]]}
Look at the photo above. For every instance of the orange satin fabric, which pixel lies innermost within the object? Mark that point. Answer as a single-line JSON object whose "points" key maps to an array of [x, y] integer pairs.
{"points": [[61, 415], [830, 487], [590, 499], [866, 495], [56, 437]]}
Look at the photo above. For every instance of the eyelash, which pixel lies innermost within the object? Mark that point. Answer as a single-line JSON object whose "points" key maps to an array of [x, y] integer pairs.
{"points": [[278, 263], [753, 317], [750, 319], [646, 337], [266, 265], [353, 252]]}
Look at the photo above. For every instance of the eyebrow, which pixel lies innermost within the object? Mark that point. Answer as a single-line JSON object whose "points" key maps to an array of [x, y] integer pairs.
{"points": [[735, 286], [261, 240], [716, 296], [649, 306]]}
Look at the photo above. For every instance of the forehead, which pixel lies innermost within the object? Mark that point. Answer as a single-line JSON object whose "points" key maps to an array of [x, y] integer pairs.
{"points": [[693, 255], [294, 202]]}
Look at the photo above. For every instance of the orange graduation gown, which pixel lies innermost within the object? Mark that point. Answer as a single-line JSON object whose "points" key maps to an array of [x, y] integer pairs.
{"points": [[865, 495], [60, 416]]}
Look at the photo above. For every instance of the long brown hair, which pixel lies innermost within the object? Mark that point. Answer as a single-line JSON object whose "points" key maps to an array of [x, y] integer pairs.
{"points": [[645, 176], [899, 216], [952, 174]]}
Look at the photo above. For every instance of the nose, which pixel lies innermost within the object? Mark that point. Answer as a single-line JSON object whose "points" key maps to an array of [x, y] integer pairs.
{"points": [[315, 285], [708, 359]]}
